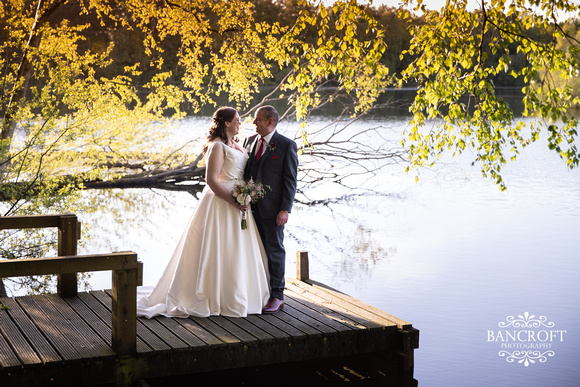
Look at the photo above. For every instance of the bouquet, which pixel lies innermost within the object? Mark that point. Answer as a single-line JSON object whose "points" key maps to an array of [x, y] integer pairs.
{"points": [[247, 192]]}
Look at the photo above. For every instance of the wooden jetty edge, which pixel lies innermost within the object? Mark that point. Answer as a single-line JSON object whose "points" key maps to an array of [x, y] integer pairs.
{"points": [[94, 338]]}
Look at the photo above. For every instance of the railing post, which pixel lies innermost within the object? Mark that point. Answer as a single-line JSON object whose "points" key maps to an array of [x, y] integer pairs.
{"points": [[302, 269], [124, 310], [68, 234]]}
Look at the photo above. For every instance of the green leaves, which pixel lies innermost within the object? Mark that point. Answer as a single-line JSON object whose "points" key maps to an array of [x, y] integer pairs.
{"points": [[450, 51], [339, 52]]}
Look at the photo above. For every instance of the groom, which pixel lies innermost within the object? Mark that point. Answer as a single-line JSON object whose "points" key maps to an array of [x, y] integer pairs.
{"points": [[273, 162]]}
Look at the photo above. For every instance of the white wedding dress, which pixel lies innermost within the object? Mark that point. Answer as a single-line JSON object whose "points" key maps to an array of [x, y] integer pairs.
{"points": [[217, 268]]}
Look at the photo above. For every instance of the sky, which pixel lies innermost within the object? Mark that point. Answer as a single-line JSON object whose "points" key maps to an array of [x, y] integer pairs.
{"points": [[436, 4], [431, 4]]}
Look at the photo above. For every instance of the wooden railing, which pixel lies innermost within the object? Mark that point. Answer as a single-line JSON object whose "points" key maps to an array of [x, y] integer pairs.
{"points": [[302, 266], [69, 232], [127, 272]]}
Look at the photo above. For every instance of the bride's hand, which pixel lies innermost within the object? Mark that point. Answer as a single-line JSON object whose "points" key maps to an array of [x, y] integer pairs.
{"points": [[239, 206]]}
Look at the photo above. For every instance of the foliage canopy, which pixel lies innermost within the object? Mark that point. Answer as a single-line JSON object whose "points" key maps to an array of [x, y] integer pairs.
{"points": [[81, 112], [451, 65]]}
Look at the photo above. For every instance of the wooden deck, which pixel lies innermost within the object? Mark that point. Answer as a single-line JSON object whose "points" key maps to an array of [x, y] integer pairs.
{"points": [[94, 338], [50, 340]]}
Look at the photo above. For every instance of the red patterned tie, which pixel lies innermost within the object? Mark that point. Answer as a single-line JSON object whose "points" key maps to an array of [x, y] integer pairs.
{"points": [[260, 149]]}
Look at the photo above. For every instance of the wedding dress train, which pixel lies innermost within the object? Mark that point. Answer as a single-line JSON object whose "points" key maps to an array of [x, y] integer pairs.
{"points": [[217, 268]]}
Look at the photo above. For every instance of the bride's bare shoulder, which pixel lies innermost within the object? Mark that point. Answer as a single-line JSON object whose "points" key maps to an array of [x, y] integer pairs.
{"points": [[211, 147], [214, 143]]}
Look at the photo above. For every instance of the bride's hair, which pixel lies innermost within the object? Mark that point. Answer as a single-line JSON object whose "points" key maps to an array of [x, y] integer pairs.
{"points": [[218, 128]]}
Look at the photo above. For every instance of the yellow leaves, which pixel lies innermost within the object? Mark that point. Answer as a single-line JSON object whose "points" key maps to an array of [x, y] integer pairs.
{"points": [[239, 74], [350, 59], [133, 70], [219, 50], [323, 12]]}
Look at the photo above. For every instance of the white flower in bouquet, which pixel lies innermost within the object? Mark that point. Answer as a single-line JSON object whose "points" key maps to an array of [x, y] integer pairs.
{"points": [[244, 200], [245, 193]]}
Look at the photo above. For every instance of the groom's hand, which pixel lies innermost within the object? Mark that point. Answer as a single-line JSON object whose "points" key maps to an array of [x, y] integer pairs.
{"points": [[282, 218]]}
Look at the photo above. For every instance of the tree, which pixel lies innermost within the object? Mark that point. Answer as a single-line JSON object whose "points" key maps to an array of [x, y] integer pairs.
{"points": [[74, 117], [64, 92], [572, 29], [456, 90]]}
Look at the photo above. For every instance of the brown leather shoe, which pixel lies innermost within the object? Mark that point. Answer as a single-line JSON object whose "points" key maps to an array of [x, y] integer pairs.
{"points": [[273, 306]]}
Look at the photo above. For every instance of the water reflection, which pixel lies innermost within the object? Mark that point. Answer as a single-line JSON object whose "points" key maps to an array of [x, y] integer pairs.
{"points": [[339, 243], [450, 251]]}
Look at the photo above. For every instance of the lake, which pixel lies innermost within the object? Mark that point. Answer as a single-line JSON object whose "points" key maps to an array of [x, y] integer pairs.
{"points": [[451, 254]]}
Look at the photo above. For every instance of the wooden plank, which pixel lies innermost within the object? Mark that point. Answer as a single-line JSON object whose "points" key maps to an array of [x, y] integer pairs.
{"points": [[43, 319], [15, 338], [267, 327], [355, 306], [7, 356], [69, 264], [42, 347], [180, 331], [87, 343], [198, 331], [373, 309], [215, 329], [84, 335], [281, 324], [150, 338], [328, 308], [91, 318], [104, 314], [232, 328], [254, 330], [309, 320], [309, 310], [29, 221], [168, 337], [297, 323]]}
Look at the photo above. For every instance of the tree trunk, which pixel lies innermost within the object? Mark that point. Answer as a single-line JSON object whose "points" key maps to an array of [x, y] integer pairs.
{"points": [[170, 180]]}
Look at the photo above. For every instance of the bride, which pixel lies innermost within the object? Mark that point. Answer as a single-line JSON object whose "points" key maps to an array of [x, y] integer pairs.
{"points": [[217, 268]]}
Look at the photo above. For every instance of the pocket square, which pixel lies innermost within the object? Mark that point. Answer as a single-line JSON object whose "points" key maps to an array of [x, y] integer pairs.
{"points": [[274, 157]]}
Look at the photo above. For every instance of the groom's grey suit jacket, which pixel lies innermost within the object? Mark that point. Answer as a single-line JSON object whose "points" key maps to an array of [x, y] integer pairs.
{"points": [[277, 168]]}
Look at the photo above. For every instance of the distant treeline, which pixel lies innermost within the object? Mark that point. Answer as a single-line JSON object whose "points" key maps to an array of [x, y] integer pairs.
{"points": [[129, 49]]}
